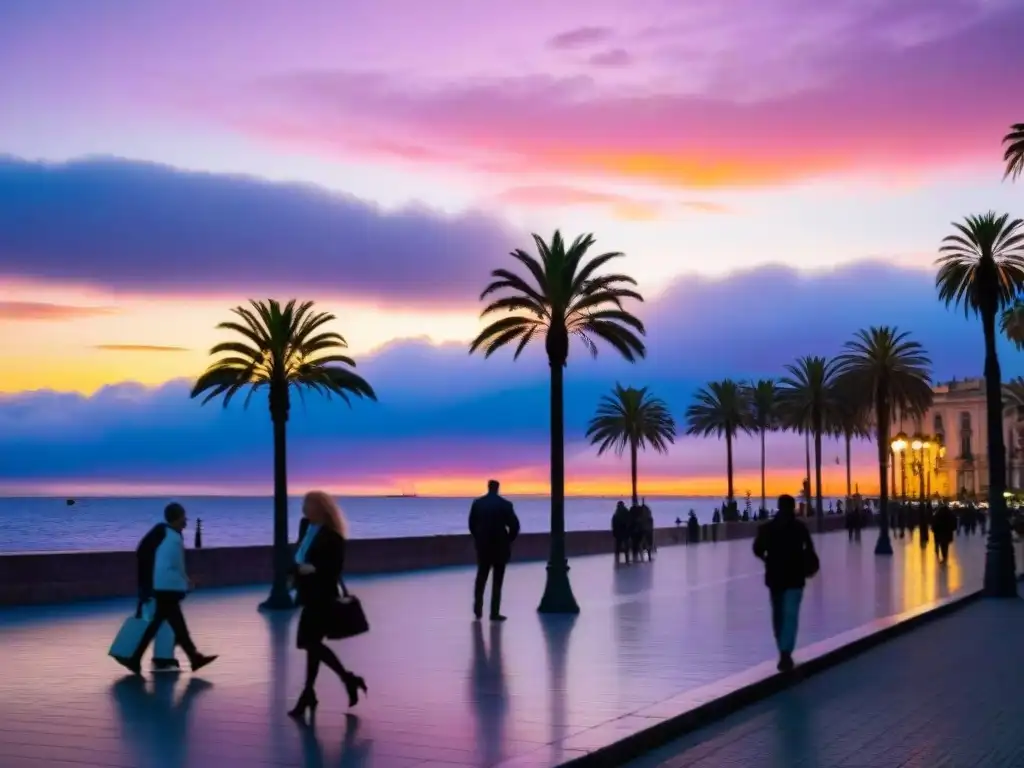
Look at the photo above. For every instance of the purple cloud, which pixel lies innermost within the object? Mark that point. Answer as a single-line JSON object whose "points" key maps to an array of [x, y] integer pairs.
{"points": [[152, 229], [612, 58], [444, 411], [581, 37]]}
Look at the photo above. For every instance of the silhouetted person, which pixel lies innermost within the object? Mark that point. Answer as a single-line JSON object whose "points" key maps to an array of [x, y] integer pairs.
{"points": [[646, 530], [693, 528], [494, 526], [620, 531], [170, 586], [785, 546], [319, 561], [145, 555], [199, 533], [943, 526]]}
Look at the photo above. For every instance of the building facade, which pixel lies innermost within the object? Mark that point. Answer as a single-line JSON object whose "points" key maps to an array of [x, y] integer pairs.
{"points": [[955, 462]]}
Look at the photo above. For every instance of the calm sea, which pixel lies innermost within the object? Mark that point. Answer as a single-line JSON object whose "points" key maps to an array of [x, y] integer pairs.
{"points": [[40, 524]]}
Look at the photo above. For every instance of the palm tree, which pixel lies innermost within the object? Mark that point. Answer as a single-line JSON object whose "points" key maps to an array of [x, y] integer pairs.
{"points": [[631, 418], [1014, 154], [721, 408], [1011, 323], [563, 295], [885, 371], [763, 415], [279, 348], [849, 420], [807, 397], [981, 268]]}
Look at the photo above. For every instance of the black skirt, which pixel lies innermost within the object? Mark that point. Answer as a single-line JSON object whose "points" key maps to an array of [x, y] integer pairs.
{"points": [[312, 626]]}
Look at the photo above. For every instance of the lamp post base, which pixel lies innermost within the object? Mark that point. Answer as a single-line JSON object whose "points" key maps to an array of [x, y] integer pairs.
{"points": [[558, 596], [884, 544]]}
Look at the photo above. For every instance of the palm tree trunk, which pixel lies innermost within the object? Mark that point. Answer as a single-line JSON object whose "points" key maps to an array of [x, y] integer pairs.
{"points": [[884, 544], [728, 470], [764, 501], [280, 597], [1000, 568], [807, 456], [632, 466], [818, 510], [849, 473], [558, 596]]}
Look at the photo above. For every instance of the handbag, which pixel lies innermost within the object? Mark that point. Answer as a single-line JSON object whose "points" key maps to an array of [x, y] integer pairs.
{"points": [[811, 563], [128, 637], [346, 617]]}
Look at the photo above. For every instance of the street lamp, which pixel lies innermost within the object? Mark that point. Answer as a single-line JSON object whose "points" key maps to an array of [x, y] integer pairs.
{"points": [[929, 468], [899, 447], [917, 462]]}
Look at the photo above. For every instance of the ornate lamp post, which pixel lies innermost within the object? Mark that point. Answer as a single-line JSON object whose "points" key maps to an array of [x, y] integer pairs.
{"points": [[899, 447], [917, 462], [928, 466]]}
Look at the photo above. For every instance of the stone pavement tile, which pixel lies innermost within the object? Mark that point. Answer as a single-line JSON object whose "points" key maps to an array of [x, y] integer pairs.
{"points": [[945, 694], [443, 688]]}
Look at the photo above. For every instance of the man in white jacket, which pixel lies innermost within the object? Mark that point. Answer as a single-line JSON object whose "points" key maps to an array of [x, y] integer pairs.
{"points": [[170, 585]]}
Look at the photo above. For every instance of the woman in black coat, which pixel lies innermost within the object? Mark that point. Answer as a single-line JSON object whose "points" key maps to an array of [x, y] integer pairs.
{"points": [[319, 561]]}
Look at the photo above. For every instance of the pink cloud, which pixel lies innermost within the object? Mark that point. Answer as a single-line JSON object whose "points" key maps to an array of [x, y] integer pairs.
{"points": [[891, 112], [581, 37], [35, 310]]}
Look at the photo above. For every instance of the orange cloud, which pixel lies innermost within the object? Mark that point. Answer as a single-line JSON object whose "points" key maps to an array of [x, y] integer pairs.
{"points": [[138, 348], [43, 311]]}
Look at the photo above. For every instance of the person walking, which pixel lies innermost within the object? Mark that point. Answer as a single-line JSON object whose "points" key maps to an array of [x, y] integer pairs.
{"points": [[494, 527], [170, 586], [944, 527], [319, 562], [145, 555], [784, 545]]}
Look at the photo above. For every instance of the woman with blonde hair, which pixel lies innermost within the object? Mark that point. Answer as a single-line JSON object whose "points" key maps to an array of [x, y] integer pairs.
{"points": [[319, 562]]}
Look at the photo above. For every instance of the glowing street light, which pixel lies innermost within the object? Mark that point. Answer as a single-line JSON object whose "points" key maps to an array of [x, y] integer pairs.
{"points": [[899, 447]]}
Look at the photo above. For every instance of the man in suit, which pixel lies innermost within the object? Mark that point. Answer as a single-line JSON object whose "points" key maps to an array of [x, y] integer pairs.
{"points": [[494, 526]]}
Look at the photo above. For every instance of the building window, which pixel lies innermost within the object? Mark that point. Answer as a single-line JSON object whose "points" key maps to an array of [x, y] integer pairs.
{"points": [[937, 424], [965, 436]]}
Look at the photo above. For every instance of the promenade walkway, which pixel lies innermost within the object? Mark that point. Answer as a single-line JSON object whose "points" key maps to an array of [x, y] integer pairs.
{"points": [[946, 695], [444, 690]]}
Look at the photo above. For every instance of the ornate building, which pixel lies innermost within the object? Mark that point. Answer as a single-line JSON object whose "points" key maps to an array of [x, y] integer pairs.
{"points": [[954, 460]]}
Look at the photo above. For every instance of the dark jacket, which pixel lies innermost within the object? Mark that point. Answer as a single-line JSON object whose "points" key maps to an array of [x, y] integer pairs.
{"points": [[494, 526], [327, 555], [783, 544], [943, 524]]}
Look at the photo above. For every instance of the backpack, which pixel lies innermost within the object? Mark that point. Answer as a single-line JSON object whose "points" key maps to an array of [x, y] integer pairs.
{"points": [[145, 555]]}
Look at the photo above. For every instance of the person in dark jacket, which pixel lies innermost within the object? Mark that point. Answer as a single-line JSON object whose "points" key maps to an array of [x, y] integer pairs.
{"points": [[494, 526], [943, 526], [620, 531], [785, 546], [319, 562]]}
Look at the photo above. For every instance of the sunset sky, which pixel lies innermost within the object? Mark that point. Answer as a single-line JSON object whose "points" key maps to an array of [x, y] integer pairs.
{"points": [[778, 172]]}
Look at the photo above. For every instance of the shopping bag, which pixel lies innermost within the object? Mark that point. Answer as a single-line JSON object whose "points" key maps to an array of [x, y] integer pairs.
{"points": [[128, 638]]}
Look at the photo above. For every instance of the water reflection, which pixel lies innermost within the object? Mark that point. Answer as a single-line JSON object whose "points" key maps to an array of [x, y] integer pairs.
{"points": [[488, 691], [278, 631], [926, 579], [153, 722], [557, 629], [355, 752]]}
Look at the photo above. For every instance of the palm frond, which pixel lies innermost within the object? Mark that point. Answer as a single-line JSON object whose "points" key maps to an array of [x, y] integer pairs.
{"points": [[1013, 155], [631, 417], [981, 265], [720, 408]]}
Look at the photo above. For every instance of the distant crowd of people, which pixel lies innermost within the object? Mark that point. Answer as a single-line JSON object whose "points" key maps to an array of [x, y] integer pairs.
{"points": [[633, 531]]}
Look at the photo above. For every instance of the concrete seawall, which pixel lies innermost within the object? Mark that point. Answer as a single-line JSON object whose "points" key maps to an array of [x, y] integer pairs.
{"points": [[41, 578]]}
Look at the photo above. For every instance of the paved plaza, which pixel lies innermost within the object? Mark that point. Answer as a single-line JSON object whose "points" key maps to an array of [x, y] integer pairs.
{"points": [[946, 695], [443, 690]]}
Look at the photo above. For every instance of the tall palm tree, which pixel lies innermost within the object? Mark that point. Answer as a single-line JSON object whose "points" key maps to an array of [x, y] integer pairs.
{"points": [[634, 419], [981, 269], [885, 371], [278, 348], [721, 408], [1011, 323], [1014, 154], [763, 415], [563, 294], [849, 420]]}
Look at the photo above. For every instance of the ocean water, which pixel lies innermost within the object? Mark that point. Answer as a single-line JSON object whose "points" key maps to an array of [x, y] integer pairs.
{"points": [[42, 524]]}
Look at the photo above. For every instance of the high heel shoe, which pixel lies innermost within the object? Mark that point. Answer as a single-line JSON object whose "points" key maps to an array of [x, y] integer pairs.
{"points": [[353, 685], [307, 700]]}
